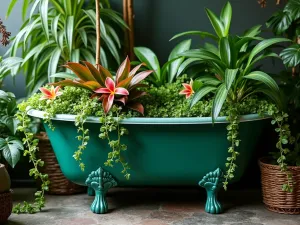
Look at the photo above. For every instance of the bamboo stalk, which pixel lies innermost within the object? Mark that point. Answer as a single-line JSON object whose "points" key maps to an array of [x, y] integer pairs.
{"points": [[131, 27], [98, 33], [126, 33]]}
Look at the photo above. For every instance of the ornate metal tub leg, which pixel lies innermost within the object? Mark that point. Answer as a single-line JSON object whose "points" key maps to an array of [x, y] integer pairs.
{"points": [[90, 191], [212, 182], [101, 181]]}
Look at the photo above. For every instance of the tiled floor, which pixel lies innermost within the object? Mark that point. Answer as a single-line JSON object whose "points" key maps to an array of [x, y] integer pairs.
{"points": [[153, 206]]}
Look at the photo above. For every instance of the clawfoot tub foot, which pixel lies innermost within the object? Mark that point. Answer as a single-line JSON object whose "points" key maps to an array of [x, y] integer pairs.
{"points": [[100, 181], [212, 182], [90, 191]]}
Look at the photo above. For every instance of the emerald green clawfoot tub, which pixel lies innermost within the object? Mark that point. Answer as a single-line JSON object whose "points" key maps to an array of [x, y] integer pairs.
{"points": [[161, 152]]}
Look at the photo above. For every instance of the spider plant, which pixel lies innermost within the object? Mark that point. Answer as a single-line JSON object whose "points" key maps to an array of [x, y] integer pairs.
{"points": [[60, 32]]}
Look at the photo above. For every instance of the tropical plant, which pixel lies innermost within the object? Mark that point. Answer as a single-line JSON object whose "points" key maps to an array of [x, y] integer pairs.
{"points": [[232, 74], [60, 32], [10, 145], [124, 88], [168, 73]]}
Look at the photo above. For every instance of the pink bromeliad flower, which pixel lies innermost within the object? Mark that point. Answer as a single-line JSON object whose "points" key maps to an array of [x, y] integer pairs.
{"points": [[51, 93], [109, 93], [188, 89]]}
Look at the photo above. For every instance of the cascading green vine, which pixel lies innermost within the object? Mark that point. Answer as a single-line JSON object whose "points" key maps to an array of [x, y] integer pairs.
{"points": [[83, 137], [232, 136], [109, 124], [32, 147]]}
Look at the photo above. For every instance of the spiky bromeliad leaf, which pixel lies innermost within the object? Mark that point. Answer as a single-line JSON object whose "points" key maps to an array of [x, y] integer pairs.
{"points": [[291, 55], [10, 148]]}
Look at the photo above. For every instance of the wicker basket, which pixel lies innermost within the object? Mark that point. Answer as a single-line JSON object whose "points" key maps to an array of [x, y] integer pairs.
{"points": [[5, 206], [59, 185], [272, 180]]}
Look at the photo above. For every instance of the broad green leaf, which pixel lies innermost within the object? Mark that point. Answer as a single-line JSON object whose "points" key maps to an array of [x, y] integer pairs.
{"points": [[218, 101], [273, 95], [4, 96], [225, 51], [204, 90], [226, 15], [68, 7], [54, 28], [203, 54], [36, 50], [293, 8], [88, 56], [114, 17], [279, 22], [24, 9], [44, 16], [164, 70], [216, 23], [209, 80], [264, 78], [69, 31], [212, 48], [174, 66], [263, 45], [64, 75], [10, 122], [11, 148], [230, 75], [202, 34], [53, 63], [185, 64], [291, 55], [253, 31], [103, 57], [148, 57], [114, 35], [75, 56], [10, 7], [112, 47]]}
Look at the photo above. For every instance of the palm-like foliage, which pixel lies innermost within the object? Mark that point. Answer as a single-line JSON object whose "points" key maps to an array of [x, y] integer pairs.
{"points": [[169, 71], [60, 32], [104, 86], [231, 63]]}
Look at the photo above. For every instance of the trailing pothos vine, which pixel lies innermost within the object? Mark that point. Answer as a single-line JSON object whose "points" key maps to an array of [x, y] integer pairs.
{"points": [[32, 147], [232, 136]]}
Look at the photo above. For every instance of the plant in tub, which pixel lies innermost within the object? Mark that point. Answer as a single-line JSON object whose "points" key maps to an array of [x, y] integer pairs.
{"points": [[232, 76], [96, 86]]}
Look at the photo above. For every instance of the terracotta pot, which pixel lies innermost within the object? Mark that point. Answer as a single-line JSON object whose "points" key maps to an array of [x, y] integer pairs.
{"points": [[4, 179]]}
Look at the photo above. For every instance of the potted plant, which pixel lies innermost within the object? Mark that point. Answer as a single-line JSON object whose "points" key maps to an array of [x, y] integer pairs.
{"points": [[184, 149], [275, 181]]}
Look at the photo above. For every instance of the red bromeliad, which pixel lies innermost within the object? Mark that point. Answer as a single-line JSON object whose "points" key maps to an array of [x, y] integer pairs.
{"points": [[109, 93], [50, 94], [188, 89], [121, 89]]}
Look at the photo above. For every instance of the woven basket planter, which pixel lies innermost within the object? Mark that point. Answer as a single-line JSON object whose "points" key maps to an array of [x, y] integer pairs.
{"points": [[59, 185], [5, 206], [272, 180]]}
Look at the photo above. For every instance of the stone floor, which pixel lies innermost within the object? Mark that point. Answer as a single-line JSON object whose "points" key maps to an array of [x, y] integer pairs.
{"points": [[153, 206]]}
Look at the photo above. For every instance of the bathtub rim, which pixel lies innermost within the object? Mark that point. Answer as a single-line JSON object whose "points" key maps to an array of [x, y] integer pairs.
{"points": [[150, 120]]}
